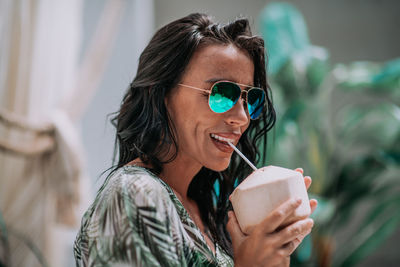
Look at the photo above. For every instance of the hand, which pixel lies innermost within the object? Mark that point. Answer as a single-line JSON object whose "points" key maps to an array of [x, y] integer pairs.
{"points": [[267, 246]]}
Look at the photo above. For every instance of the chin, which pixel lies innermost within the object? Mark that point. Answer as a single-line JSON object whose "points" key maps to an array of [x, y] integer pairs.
{"points": [[218, 166]]}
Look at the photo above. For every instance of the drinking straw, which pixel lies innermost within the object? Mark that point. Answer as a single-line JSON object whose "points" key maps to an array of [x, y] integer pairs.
{"points": [[243, 156]]}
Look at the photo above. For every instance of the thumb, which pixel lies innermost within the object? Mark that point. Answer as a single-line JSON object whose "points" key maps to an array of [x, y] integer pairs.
{"points": [[234, 229]]}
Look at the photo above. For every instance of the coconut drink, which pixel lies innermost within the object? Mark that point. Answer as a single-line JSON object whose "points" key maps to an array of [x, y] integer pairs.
{"points": [[263, 191]]}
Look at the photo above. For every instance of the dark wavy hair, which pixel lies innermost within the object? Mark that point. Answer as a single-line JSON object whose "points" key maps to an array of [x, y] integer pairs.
{"points": [[144, 128]]}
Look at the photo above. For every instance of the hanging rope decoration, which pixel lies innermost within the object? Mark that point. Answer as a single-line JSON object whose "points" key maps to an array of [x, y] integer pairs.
{"points": [[37, 139]]}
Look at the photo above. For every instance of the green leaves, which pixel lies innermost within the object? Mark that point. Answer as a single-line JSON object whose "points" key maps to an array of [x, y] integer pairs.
{"points": [[285, 33], [341, 124], [382, 221]]}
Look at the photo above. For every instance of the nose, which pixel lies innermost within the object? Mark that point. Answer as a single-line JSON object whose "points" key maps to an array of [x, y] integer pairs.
{"points": [[238, 115]]}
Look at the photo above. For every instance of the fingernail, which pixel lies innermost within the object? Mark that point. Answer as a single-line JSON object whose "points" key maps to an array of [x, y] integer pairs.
{"points": [[298, 200]]}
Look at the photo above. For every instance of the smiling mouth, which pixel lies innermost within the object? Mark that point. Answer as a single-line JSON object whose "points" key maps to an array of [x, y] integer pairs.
{"points": [[221, 139]]}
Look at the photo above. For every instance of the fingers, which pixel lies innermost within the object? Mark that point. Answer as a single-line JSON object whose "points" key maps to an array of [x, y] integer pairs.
{"points": [[278, 215], [295, 230], [234, 228], [296, 242], [307, 179], [289, 248], [313, 205], [291, 236], [300, 170]]}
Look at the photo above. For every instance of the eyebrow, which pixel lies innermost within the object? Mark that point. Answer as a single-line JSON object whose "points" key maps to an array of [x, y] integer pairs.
{"points": [[214, 80]]}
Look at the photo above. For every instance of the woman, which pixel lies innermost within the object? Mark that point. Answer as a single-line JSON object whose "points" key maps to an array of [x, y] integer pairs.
{"points": [[199, 85]]}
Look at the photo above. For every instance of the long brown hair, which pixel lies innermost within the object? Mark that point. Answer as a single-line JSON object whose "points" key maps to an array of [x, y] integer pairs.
{"points": [[143, 124]]}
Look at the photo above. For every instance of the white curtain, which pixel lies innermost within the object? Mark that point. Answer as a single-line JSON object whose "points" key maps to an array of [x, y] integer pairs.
{"points": [[44, 89]]}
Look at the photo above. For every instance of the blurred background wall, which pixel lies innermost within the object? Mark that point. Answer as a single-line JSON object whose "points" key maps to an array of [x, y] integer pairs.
{"points": [[349, 30]]}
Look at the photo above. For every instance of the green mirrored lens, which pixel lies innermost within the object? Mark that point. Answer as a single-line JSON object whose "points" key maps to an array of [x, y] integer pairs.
{"points": [[224, 96], [255, 102]]}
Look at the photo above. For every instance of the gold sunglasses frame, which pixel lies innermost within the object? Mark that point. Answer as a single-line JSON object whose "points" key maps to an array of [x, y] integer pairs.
{"points": [[241, 93]]}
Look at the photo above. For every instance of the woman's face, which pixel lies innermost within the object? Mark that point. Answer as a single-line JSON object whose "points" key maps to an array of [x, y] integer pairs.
{"points": [[197, 126]]}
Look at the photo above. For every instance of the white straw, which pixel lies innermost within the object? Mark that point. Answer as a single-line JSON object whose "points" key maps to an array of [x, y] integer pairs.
{"points": [[243, 156]]}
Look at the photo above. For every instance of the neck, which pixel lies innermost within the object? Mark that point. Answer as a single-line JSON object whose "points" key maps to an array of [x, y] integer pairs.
{"points": [[178, 174]]}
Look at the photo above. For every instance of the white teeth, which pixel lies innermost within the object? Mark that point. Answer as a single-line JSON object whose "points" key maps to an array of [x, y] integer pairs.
{"points": [[220, 138]]}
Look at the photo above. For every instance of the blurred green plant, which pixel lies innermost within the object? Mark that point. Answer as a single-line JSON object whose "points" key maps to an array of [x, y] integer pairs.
{"points": [[342, 125]]}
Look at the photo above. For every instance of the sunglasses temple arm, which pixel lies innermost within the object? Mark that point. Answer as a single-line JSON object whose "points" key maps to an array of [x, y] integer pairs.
{"points": [[243, 156], [196, 88]]}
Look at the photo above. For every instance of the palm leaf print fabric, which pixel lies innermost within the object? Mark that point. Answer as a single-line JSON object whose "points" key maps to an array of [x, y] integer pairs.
{"points": [[137, 220]]}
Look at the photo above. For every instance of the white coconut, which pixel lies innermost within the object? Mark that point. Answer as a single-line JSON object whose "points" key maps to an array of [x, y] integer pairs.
{"points": [[263, 191]]}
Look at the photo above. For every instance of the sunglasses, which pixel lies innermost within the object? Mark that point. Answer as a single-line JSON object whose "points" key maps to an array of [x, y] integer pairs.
{"points": [[224, 95]]}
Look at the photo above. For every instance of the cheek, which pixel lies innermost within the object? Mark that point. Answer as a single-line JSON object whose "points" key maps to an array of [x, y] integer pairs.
{"points": [[195, 131], [192, 119], [187, 127], [244, 128]]}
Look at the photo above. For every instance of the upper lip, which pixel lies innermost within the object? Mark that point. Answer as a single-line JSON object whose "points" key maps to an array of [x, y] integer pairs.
{"points": [[233, 137]]}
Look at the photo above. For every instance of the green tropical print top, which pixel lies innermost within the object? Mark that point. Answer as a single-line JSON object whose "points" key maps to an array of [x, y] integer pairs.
{"points": [[137, 220]]}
